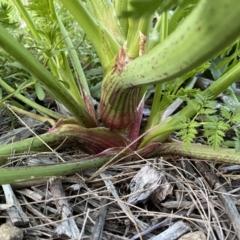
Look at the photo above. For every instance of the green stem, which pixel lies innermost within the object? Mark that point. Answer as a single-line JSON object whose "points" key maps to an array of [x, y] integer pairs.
{"points": [[155, 35], [225, 81], [121, 6], [225, 155], [90, 140], [173, 22], [105, 13], [33, 30], [27, 18], [30, 103], [19, 174], [136, 26], [67, 76], [155, 134], [74, 59], [15, 49], [64, 68], [104, 44], [117, 108], [36, 144], [203, 34], [52, 9], [31, 115], [156, 109]]}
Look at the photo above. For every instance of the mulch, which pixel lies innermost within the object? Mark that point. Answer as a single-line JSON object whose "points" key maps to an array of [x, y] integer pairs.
{"points": [[165, 197]]}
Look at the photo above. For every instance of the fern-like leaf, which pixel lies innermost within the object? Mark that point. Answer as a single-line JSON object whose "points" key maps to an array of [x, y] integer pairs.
{"points": [[225, 113], [236, 118], [208, 111], [188, 132], [5, 9], [215, 132]]}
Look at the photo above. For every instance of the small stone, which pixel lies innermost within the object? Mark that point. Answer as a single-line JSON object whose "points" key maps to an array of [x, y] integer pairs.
{"points": [[198, 235], [9, 232]]}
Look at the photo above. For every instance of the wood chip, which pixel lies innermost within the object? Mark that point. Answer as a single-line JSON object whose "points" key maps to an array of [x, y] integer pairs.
{"points": [[173, 232], [16, 214], [149, 184], [68, 227], [141, 225]]}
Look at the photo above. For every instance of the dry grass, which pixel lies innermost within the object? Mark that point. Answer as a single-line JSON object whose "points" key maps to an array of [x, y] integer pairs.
{"points": [[76, 206]]}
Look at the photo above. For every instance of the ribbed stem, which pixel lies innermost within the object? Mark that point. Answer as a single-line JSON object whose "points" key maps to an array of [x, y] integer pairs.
{"points": [[202, 35], [20, 174], [118, 109], [156, 135], [225, 155], [16, 50], [90, 140]]}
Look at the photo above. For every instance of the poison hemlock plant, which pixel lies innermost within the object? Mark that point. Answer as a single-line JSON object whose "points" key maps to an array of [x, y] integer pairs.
{"points": [[215, 122], [165, 45]]}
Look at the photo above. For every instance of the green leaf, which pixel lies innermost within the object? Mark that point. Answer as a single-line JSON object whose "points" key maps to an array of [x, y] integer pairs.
{"points": [[188, 132], [208, 111], [104, 43], [5, 9], [225, 112], [237, 143], [56, 89], [39, 91], [215, 132], [22, 86], [211, 104], [236, 118]]}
